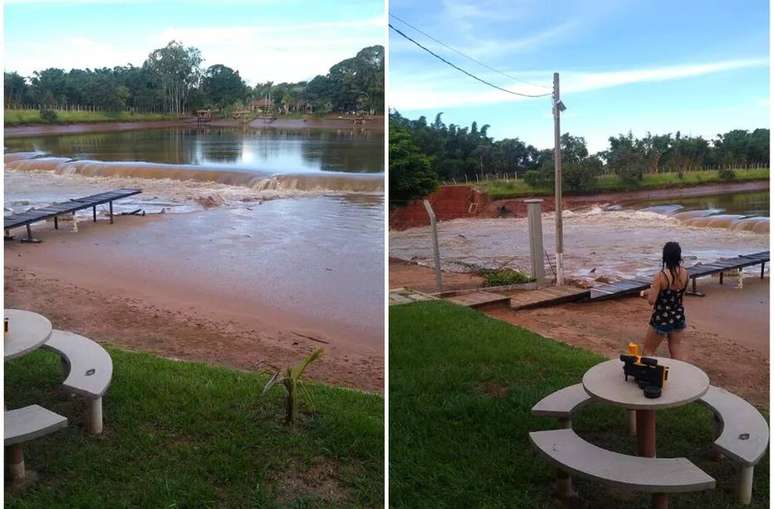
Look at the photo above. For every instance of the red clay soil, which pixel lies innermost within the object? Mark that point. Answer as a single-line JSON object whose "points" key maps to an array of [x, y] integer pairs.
{"points": [[95, 127], [182, 332], [405, 274], [460, 201], [448, 202]]}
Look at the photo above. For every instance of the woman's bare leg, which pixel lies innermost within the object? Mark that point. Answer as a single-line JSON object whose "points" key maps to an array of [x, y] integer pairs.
{"points": [[652, 340], [676, 350]]}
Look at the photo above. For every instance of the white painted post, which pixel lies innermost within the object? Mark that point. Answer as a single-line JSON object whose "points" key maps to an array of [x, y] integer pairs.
{"points": [[744, 485], [436, 253], [534, 210]]}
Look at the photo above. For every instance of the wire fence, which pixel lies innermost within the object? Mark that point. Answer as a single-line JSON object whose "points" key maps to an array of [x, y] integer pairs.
{"points": [[80, 107]]}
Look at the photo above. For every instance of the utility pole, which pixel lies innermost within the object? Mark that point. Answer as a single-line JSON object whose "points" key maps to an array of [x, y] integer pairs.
{"points": [[558, 107]]}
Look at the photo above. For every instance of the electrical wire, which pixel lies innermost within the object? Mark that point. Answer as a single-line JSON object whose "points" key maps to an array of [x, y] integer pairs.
{"points": [[479, 62], [485, 82]]}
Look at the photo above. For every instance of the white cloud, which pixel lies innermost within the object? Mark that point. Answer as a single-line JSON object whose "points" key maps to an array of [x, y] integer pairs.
{"points": [[414, 92], [260, 53]]}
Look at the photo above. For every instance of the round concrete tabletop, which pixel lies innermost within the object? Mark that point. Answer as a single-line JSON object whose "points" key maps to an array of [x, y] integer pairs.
{"points": [[26, 332], [685, 383]]}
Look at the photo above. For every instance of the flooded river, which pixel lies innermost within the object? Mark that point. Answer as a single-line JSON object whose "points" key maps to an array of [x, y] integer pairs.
{"points": [[602, 243]]}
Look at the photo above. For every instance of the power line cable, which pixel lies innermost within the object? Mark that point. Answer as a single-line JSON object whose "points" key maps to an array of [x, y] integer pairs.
{"points": [[479, 62], [485, 82]]}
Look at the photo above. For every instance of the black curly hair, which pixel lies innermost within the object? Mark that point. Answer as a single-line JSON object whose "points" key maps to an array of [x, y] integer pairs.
{"points": [[671, 258]]}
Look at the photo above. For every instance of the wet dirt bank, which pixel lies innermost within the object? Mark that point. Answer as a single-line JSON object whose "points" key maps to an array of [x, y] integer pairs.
{"points": [[375, 124], [454, 202]]}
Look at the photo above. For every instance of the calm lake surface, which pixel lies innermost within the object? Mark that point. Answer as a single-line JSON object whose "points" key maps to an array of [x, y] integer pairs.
{"points": [[267, 150]]}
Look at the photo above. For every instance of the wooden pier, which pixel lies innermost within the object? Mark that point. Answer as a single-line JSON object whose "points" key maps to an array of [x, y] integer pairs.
{"points": [[635, 286], [548, 296], [27, 218]]}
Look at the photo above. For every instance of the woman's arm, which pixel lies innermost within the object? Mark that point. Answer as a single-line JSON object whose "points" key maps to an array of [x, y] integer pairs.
{"points": [[655, 288]]}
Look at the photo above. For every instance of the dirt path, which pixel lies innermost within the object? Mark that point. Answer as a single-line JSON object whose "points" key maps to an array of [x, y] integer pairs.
{"points": [[727, 334], [410, 275], [176, 333]]}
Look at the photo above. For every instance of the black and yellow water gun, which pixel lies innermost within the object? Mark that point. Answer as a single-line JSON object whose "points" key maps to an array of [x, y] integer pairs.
{"points": [[649, 375]]}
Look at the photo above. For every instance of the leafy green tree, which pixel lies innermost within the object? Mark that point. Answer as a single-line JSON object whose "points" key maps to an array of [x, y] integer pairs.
{"points": [[15, 89], [411, 176], [177, 69], [221, 86]]}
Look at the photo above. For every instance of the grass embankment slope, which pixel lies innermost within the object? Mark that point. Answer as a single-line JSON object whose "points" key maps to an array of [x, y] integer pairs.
{"points": [[180, 434], [502, 189], [25, 117], [461, 389]]}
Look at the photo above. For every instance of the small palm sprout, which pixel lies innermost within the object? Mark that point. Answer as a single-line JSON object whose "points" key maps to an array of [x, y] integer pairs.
{"points": [[292, 381]]}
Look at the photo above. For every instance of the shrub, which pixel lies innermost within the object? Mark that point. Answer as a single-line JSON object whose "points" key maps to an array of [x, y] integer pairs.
{"points": [[49, 116], [503, 277], [542, 178], [579, 177], [727, 174]]}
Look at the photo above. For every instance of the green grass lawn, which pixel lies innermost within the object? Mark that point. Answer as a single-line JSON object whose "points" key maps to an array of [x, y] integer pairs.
{"points": [[181, 434], [461, 389], [22, 117], [501, 189]]}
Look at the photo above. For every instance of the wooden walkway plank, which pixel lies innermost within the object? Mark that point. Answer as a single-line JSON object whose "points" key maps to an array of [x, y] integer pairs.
{"points": [[478, 299], [630, 286], [548, 296]]}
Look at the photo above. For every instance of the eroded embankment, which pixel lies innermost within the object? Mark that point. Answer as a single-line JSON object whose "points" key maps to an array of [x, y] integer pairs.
{"points": [[455, 202]]}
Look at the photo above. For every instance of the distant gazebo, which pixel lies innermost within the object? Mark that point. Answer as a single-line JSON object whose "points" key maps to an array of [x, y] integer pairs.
{"points": [[204, 115]]}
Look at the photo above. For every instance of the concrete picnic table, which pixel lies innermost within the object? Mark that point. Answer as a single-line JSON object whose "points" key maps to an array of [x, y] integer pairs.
{"points": [[27, 331], [686, 383]]}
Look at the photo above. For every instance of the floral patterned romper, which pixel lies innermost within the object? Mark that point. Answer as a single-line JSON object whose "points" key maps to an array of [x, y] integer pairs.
{"points": [[668, 312]]}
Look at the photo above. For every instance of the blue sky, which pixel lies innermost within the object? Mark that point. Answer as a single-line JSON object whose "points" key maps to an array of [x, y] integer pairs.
{"points": [[701, 67], [286, 40]]}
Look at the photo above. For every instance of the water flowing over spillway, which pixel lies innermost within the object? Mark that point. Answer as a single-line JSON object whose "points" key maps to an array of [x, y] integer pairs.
{"points": [[599, 244], [175, 183]]}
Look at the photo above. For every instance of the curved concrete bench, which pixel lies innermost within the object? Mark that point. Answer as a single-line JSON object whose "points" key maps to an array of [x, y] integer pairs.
{"points": [[562, 404], [658, 476], [90, 370], [25, 424], [744, 436]]}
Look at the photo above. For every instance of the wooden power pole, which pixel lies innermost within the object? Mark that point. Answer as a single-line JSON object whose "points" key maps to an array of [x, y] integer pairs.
{"points": [[558, 107]]}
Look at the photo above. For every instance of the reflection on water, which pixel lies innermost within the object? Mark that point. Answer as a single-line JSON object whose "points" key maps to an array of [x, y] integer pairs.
{"points": [[273, 150]]}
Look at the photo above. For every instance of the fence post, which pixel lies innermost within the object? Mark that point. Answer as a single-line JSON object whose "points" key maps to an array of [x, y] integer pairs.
{"points": [[436, 253], [534, 214]]}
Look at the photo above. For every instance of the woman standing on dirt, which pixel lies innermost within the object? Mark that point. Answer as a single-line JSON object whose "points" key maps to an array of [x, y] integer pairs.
{"points": [[666, 297]]}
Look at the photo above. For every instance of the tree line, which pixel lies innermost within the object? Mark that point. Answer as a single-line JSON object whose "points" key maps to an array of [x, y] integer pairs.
{"points": [[172, 80], [428, 153]]}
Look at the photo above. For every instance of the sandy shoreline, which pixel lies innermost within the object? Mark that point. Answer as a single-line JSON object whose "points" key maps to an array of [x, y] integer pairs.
{"points": [[727, 336], [377, 124], [107, 283]]}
